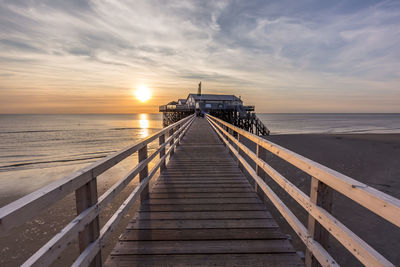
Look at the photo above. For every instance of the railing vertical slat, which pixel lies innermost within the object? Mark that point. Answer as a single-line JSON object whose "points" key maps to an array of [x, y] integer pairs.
{"points": [[161, 141], [143, 173], [240, 152], [261, 153], [321, 195], [86, 196], [177, 128], [171, 132]]}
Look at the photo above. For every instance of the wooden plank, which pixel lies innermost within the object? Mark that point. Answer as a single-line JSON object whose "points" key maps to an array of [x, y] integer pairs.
{"points": [[176, 181], [202, 195], [208, 174], [201, 183], [202, 207], [199, 201], [202, 234], [199, 190], [201, 215], [202, 247], [190, 224], [201, 260], [202, 177]]}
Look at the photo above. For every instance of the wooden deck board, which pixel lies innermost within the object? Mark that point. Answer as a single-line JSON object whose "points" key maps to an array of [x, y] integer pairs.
{"points": [[203, 212], [202, 247], [202, 207], [204, 195], [210, 223], [218, 260], [202, 215], [203, 234], [201, 201]]}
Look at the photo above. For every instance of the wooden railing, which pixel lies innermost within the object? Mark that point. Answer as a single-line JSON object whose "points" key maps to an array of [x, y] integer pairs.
{"points": [[318, 203], [88, 205]]}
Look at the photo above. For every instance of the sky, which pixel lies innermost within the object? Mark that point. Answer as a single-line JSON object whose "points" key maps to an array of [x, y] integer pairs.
{"points": [[76, 56]]}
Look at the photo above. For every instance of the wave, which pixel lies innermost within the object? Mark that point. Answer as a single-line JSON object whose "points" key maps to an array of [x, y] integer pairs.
{"points": [[132, 128], [35, 131], [49, 161]]}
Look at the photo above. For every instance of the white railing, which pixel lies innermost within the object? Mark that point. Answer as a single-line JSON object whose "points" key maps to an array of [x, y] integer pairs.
{"points": [[318, 203], [88, 205]]}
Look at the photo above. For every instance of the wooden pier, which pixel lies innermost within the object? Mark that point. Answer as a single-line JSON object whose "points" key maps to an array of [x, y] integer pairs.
{"points": [[203, 212], [204, 209]]}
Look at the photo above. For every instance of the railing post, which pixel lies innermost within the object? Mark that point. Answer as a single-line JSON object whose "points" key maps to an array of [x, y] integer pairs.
{"points": [[161, 141], [86, 196], [261, 153], [226, 128], [321, 195], [177, 128], [143, 173], [171, 132], [239, 152]]}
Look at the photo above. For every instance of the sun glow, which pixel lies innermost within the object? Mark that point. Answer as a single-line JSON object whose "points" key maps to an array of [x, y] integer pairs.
{"points": [[143, 93]]}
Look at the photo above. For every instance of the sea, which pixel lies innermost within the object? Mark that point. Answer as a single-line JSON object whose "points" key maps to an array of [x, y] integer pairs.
{"points": [[38, 149]]}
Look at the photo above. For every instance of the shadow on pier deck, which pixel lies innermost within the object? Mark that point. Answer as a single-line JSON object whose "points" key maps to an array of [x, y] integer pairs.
{"points": [[203, 212]]}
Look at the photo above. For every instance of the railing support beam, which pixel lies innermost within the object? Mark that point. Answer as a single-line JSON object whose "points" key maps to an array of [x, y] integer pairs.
{"points": [[261, 153], [86, 196], [161, 141], [143, 173], [171, 132], [321, 195]]}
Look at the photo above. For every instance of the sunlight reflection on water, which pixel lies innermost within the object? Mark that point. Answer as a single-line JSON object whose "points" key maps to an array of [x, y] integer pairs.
{"points": [[144, 125]]}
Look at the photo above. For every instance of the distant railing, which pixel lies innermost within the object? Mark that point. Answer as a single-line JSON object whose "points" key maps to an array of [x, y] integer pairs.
{"points": [[173, 108], [88, 205], [318, 204]]}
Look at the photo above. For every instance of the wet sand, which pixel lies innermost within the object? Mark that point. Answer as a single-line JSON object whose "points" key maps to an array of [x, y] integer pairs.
{"points": [[373, 159]]}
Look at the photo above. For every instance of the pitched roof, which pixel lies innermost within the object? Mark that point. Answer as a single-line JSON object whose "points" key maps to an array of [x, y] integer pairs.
{"points": [[211, 97]]}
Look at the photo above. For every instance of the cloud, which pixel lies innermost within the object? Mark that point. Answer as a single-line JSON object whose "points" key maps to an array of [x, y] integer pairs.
{"points": [[272, 49]]}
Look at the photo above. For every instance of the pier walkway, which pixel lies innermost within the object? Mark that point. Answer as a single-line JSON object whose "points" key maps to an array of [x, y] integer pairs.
{"points": [[203, 212]]}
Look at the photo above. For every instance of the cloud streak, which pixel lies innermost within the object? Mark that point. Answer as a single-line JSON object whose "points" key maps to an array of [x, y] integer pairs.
{"points": [[280, 55]]}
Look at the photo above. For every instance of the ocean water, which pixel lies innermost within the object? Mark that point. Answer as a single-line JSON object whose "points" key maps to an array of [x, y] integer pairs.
{"points": [[38, 149], [325, 123]]}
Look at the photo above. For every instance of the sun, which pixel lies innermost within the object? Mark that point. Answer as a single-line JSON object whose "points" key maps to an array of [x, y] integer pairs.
{"points": [[143, 93]]}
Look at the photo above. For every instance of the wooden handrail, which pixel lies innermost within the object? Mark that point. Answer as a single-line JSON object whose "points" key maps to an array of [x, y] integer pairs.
{"points": [[34, 203], [359, 248]]}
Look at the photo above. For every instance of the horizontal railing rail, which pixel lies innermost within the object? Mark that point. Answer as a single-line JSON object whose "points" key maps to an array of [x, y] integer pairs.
{"points": [[83, 182], [376, 201]]}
